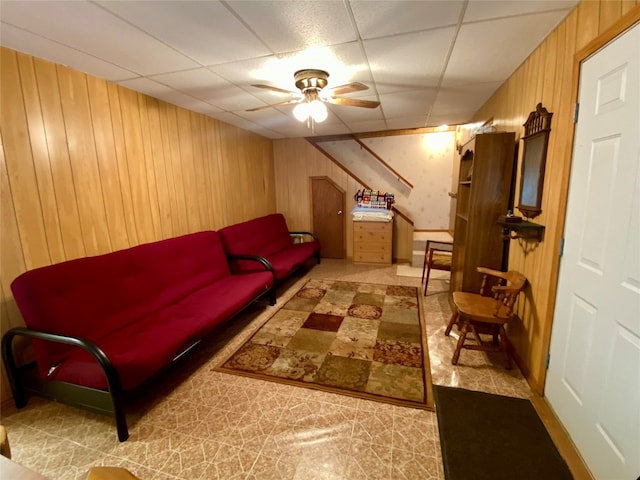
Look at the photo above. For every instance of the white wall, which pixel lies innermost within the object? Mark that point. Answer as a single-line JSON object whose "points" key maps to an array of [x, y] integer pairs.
{"points": [[426, 160]]}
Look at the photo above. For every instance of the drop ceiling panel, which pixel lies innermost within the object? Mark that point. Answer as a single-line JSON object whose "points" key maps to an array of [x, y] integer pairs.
{"points": [[205, 55], [401, 123], [492, 50], [96, 32], [191, 103], [269, 118], [185, 101], [35, 45], [265, 69], [487, 9], [205, 31], [146, 86], [385, 18], [344, 63], [231, 98], [450, 119], [209, 87], [356, 114], [462, 99], [198, 83], [408, 61], [368, 126], [232, 119], [412, 103], [291, 25]]}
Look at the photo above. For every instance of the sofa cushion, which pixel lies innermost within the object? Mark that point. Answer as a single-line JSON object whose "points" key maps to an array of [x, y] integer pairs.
{"points": [[144, 347], [93, 296], [261, 236], [285, 262]]}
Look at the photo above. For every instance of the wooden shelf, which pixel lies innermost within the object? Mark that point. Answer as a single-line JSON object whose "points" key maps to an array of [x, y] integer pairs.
{"points": [[486, 182], [523, 229]]}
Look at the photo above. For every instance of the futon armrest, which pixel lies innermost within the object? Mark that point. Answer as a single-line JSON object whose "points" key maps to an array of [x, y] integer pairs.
{"points": [[311, 234], [114, 391], [113, 379], [257, 258]]}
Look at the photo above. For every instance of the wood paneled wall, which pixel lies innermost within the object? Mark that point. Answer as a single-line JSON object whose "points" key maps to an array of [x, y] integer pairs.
{"points": [[296, 160], [88, 167], [548, 76]]}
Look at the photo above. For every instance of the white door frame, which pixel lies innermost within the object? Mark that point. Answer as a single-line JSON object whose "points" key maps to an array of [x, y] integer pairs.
{"points": [[620, 26]]}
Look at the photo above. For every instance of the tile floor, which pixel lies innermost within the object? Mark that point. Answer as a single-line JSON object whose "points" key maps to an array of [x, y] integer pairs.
{"points": [[200, 424]]}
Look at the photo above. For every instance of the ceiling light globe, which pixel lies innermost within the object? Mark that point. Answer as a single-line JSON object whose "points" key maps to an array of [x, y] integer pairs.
{"points": [[301, 111], [318, 111]]}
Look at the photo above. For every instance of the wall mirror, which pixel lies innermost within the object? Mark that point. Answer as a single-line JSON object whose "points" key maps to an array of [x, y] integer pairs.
{"points": [[534, 156]]}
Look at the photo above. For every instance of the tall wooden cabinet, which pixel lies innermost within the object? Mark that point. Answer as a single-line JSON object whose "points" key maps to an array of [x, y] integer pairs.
{"points": [[485, 191]]}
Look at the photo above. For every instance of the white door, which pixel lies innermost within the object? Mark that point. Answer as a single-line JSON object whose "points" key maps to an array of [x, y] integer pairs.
{"points": [[593, 382]]}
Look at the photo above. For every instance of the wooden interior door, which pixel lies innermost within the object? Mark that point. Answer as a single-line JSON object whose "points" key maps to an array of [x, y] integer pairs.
{"points": [[328, 204]]}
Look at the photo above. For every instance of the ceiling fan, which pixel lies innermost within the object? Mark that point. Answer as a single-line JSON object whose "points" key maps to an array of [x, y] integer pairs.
{"points": [[310, 101]]}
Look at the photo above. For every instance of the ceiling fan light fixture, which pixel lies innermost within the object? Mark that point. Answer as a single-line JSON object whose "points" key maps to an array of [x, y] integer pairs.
{"points": [[311, 106], [301, 111], [318, 111]]}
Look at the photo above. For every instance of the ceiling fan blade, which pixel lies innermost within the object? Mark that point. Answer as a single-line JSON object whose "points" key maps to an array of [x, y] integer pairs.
{"points": [[347, 88], [279, 104], [275, 89], [353, 102]]}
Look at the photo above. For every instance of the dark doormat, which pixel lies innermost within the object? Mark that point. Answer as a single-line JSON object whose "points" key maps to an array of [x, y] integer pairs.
{"points": [[485, 436]]}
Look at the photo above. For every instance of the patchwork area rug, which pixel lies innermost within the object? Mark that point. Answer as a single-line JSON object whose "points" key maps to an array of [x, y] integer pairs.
{"points": [[358, 339]]}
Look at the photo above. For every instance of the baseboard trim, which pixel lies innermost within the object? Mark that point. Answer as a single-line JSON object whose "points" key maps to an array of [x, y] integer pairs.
{"points": [[561, 439]]}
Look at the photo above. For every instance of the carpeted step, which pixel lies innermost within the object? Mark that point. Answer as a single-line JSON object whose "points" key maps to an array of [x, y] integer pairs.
{"points": [[417, 258]]}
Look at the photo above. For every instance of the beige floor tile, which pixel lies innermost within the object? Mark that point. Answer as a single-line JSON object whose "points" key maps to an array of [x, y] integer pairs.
{"points": [[203, 424]]}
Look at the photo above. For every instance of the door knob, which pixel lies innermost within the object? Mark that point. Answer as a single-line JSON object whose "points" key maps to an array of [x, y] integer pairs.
{"points": [[339, 212]]}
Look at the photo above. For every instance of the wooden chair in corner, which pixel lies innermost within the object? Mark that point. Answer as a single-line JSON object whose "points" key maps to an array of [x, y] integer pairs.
{"points": [[479, 313], [437, 256]]}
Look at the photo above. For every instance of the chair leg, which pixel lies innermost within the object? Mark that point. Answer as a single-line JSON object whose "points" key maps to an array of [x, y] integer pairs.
{"points": [[452, 321], [505, 347], [475, 335], [424, 266], [426, 283], [461, 339]]}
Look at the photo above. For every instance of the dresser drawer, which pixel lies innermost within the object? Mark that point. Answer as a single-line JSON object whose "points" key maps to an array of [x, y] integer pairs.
{"points": [[372, 242], [372, 232], [372, 257], [372, 227], [372, 246]]}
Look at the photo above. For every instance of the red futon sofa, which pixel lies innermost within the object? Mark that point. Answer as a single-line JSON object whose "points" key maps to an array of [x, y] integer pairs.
{"points": [[269, 239], [104, 325]]}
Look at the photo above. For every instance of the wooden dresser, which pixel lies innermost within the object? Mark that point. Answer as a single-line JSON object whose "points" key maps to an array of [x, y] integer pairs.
{"points": [[372, 242]]}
